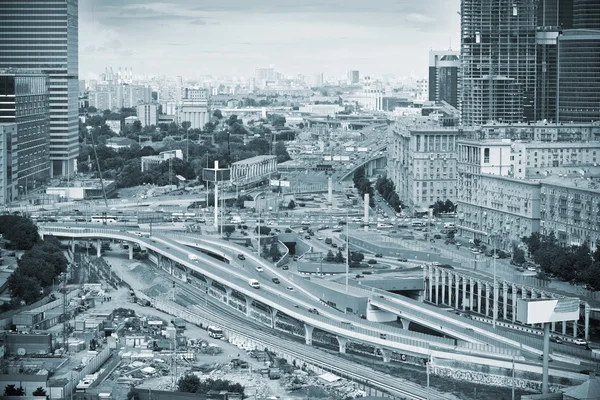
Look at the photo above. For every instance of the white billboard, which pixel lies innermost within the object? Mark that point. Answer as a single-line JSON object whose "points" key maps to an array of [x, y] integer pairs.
{"points": [[327, 158], [362, 149], [538, 311], [349, 149]]}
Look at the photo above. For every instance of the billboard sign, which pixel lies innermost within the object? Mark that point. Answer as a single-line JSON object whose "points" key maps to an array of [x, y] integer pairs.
{"points": [[538, 311], [219, 175]]}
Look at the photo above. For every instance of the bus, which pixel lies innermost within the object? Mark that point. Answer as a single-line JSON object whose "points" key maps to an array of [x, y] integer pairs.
{"points": [[104, 219], [214, 332], [418, 224]]}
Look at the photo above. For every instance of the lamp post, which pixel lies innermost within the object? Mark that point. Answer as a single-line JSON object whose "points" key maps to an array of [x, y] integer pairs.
{"points": [[495, 307]]}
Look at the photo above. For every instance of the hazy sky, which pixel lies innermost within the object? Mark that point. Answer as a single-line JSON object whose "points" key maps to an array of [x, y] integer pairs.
{"points": [[233, 37]]}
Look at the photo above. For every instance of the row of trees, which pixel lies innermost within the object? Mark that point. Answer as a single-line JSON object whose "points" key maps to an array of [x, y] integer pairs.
{"points": [[441, 207], [573, 263], [192, 384], [363, 184], [41, 263], [387, 190], [226, 147]]}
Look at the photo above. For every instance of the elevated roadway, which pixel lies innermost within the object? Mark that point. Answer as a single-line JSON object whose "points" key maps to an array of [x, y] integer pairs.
{"points": [[344, 326]]}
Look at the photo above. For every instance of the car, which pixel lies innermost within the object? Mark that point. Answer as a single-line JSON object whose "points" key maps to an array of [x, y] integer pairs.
{"points": [[241, 257], [313, 311], [334, 245], [307, 237], [379, 255], [401, 259], [359, 276], [290, 288], [320, 238], [259, 269], [372, 261], [555, 339], [541, 357], [276, 281], [367, 273], [580, 342], [285, 267], [437, 236], [295, 258]]}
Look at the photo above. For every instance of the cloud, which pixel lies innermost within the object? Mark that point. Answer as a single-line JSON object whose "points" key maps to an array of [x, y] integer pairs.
{"points": [[198, 22], [418, 18]]}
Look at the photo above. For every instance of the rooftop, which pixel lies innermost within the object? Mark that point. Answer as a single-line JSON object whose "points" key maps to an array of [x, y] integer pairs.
{"points": [[254, 160]]}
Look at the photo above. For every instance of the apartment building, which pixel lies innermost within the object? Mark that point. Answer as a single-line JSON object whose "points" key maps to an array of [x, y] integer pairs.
{"points": [[422, 162]]}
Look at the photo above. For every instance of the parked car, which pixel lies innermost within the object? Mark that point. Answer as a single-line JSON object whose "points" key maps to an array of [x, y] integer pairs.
{"points": [[359, 276], [379, 255]]}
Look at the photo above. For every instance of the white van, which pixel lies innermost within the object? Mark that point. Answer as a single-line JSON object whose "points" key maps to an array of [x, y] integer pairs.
{"points": [[449, 225], [237, 220], [254, 284]]}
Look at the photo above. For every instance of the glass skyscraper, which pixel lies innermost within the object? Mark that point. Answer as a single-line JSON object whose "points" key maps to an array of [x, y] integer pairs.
{"points": [[42, 37]]}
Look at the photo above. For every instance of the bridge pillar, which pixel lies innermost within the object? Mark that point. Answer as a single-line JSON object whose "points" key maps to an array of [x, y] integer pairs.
{"points": [[273, 317], [564, 328], [479, 297], [405, 323], [342, 342], [131, 250], [487, 299], [456, 291], [430, 299], [228, 292], [587, 321], [437, 280], [471, 290], [464, 296], [73, 246], [574, 329], [308, 331], [209, 282], [514, 293], [158, 260], [98, 248], [387, 355], [443, 279], [248, 306]]}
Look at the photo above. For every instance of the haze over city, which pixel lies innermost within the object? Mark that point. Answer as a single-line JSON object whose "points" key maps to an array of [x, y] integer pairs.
{"points": [[232, 37]]}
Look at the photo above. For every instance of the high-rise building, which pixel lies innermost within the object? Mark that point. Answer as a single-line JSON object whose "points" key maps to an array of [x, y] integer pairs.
{"points": [[586, 14], [42, 37], [497, 44], [8, 162], [24, 101], [553, 17], [444, 69], [148, 114], [578, 97], [353, 77]]}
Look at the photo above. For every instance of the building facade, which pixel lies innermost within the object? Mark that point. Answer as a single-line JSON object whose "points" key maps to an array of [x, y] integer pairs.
{"points": [[47, 34], [444, 67], [570, 208], [148, 114], [422, 163], [149, 161], [498, 42], [110, 96], [578, 97], [493, 206], [252, 171], [195, 112], [8, 163], [24, 100]]}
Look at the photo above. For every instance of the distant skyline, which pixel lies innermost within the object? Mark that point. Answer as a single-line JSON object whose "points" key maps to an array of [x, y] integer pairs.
{"points": [[232, 37]]}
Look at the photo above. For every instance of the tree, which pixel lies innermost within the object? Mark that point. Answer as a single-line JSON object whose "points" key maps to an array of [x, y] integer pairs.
{"points": [[274, 252], [131, 395], [281, 153], [291, 205], [188, 384], [518, 256], [218, 114], [228, 230], [330, 257], [357, 256], [11, 390], [264, 230], [39, 392], [339, 257], [209, 127]]}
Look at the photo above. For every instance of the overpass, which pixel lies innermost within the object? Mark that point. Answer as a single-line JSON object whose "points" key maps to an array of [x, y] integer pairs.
{"points": [[372, 160], [205, 271]]}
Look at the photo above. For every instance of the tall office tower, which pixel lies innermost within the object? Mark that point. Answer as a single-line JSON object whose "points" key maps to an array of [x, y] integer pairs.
{"points": [[443, 76], [553, 17], [42, 37], [353, 77], [586, 14], [24, 102], [497, 46], [578, 98]]}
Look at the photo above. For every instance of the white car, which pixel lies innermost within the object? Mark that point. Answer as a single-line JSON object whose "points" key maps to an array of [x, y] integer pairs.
{"points": [[320, 238], [580, 342], [259, 269]]}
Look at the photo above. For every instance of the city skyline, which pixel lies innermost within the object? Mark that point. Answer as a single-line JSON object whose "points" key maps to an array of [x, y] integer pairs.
{"points": [[158, 38]]}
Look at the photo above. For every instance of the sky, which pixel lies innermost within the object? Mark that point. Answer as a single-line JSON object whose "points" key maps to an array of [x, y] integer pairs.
{"points": [[192, 38]]}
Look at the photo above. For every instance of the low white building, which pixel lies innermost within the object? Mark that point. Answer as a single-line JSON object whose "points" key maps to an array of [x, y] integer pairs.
{"points": [[148, 161], [114, 125], [83, 189]]}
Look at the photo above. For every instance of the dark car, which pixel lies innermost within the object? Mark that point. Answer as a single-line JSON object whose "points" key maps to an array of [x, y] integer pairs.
{"points": [[285, 268], [367, 273], [555, 339], [241, 257], [307, 237], [295, 258], [359, 276], [437, 236], [313, 311], [276, 280], [379, 255], [403, 259]]}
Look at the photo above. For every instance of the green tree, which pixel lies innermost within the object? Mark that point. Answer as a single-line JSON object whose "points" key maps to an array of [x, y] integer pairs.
{"points": [[228, 230], [218, 114], [39, 392], [518, 256], [281, 152], [209, 127], [291, 205], [274, 252], [339, 257]]}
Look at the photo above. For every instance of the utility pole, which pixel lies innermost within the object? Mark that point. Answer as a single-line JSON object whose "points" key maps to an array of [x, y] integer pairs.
{"points": [[347, 252], [99, 170]]}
